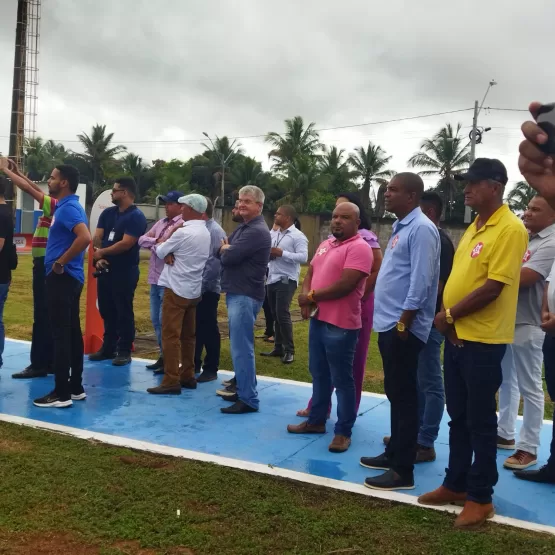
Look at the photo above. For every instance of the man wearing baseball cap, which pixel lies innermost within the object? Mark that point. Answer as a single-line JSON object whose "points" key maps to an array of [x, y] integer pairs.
{"points": [[478, 319], [185, 254], [159, 232]]}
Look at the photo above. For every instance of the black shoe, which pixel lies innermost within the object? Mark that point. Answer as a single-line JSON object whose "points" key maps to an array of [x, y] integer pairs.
{"points": [[53, 400], [122, 360], [159, 372], [78, 394], [227, 383], [381, 462], [389, 481], [156, 365], [544, 475], [189, 384], [30, 372], [238, 408], [274, 353], [233, 399], [163, 390], [101, 355], [287, 358], [206, 377]]}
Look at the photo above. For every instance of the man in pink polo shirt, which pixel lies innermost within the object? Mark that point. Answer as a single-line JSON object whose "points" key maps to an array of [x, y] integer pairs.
{"points": [[331, 296]]}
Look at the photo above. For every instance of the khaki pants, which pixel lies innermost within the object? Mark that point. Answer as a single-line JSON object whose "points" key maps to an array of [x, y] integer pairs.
{"points": [[178, 338]]}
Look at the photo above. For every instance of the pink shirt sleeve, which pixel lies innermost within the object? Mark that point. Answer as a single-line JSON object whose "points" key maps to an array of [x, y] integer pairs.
{"points": [[359, 257], [370, 238]]}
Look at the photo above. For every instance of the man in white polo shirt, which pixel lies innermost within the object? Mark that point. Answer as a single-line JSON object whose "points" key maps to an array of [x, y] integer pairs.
{"points": [[185, 253], [522, 363]]}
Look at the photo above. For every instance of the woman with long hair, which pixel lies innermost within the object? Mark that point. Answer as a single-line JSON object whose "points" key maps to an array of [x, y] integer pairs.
{"points": [[367, 302]]}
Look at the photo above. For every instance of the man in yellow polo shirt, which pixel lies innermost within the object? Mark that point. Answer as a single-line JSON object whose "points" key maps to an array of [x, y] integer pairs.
{"points": [[478, 318]]}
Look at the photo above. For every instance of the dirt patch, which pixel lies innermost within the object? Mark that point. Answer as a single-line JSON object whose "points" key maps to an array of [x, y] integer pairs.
{"points": [[13, 446], [45, 543], [145, 461]]}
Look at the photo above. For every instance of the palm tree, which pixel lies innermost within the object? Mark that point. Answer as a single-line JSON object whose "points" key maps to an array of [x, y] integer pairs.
{"points": [[303, 179], [132, 164], [443, 155], [520, 196], [369, 165], [297, 141], [335, 171], [99, 152], [246, 171], [222, 156]]}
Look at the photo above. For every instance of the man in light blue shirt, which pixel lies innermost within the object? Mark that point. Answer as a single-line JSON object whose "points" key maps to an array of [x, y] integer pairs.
{"points": [[404, 310], [289, 251]]}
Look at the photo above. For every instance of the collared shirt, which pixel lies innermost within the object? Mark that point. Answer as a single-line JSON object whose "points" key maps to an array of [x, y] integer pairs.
{"points": [[409, 275], [40, 237], [116, 224], [495, 252], [190, 246], [328, 263], [69, 213], [244, 264], [161, 229], [539, 257], [294, 245], [213, 268]]}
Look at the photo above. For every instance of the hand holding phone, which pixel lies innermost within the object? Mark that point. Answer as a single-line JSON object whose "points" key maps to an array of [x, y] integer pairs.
{"points": [[546, 120]]}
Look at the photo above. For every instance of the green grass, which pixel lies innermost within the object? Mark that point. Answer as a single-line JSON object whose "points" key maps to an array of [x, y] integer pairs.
{"points": [[63, 495]]}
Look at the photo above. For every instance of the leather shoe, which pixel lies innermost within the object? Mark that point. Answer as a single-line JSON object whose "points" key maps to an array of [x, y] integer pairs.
{"points": [[306, 428], [156, 365], [189, 384], [443, 496], [30, 372], [101, 355], [233, 399], [165, 390], [389, 481], [339, 444], [287, 358], [238, 408], [474, 515], [544, 475], [381, 462], [121, 360], [206, 377], [273, 353]]}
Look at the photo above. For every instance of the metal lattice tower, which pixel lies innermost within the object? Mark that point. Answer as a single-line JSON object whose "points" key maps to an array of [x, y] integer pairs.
{"points": [[31, 67]]}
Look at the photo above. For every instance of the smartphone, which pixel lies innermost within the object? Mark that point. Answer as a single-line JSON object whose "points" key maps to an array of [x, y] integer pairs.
{"points": [[313, 312], [546, 120]]}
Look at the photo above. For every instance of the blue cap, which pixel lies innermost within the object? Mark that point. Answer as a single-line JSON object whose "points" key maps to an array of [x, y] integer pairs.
{"points": [[172, 196]]}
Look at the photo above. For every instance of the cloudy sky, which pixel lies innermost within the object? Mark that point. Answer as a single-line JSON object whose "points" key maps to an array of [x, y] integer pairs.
{"points": [[160, 73]]}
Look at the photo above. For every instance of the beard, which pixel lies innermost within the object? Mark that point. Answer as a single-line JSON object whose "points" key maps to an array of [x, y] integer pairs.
{"points": [[338, 234]]}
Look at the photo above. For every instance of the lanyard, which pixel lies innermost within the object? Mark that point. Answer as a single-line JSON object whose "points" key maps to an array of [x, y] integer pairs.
{"points": [[279, 239]]}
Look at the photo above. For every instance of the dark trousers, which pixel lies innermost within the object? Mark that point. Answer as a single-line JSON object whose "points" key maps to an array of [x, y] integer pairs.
{"points": [[549, 365], [116, 291], [268, 317], [472, 377], [400, 367], [208, 333], [41, 342], [63, 295], [279, 297]]}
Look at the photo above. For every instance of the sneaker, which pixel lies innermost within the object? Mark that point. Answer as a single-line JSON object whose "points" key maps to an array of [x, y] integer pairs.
{"points": [[78, 394], [52, 400], [380, 462], [503, 443], [101, 355], [521, 460], [389, 481], [228, 391]]}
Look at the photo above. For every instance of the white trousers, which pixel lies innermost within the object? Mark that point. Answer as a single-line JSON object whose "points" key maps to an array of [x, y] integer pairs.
{"points": [[522, 375]]}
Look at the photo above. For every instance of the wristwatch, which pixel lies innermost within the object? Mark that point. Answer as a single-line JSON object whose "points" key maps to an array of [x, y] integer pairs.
{"points": [[448, 318], [310, 296], [401, 327]]}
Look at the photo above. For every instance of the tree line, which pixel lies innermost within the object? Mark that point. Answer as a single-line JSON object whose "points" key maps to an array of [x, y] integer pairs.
{"points": [[304, 171]]}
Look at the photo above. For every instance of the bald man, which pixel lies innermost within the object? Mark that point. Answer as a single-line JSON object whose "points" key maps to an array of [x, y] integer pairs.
{"points": [[331, 296], [404, 308]]}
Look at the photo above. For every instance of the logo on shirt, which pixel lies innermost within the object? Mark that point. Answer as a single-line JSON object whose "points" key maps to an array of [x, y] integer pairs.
{"points": [[322, 251], [395, 241], [477, 250], [526, 256]]}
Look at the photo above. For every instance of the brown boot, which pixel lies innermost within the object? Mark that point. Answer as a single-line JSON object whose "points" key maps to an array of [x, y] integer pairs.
{"points": [[306, 428], [340, 444], [474, 515], [191, 383], [442, 496], [165, 390]]}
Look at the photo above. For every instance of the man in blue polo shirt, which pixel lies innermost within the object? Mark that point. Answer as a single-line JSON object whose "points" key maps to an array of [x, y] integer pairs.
{"points": [[117, 257], [69, 237]]}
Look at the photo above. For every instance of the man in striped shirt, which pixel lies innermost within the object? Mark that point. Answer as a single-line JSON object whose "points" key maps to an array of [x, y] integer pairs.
{"points": [[41, 343]]}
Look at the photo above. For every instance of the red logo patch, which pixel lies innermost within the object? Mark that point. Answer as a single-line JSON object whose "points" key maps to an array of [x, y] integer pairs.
{"points": [[526, 256], [477, 250], [395, 241]]}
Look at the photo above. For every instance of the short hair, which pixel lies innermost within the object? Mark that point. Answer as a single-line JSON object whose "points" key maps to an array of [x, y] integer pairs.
{"points": [[70, 174], [254, 191], [209, 208], [289, 211], [412, 183], [354, 198], [127, 183], [434, 200], [3, 185]]}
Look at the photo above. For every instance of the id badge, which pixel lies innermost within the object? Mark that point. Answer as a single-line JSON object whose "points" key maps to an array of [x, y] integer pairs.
{"points": [[111, 236]]}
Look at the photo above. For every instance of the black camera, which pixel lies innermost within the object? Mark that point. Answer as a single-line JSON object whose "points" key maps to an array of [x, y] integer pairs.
{"points": [[100, 271]]}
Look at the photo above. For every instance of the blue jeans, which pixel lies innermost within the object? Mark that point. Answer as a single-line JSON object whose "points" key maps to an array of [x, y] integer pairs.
{"points": [[431, 395], [242, 312], [331, 351], [473, 376], [156, 298], [4, 287]]}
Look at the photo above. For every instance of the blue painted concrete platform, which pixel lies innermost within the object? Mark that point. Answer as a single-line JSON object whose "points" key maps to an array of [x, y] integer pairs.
{"points": [[118, 405]]}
